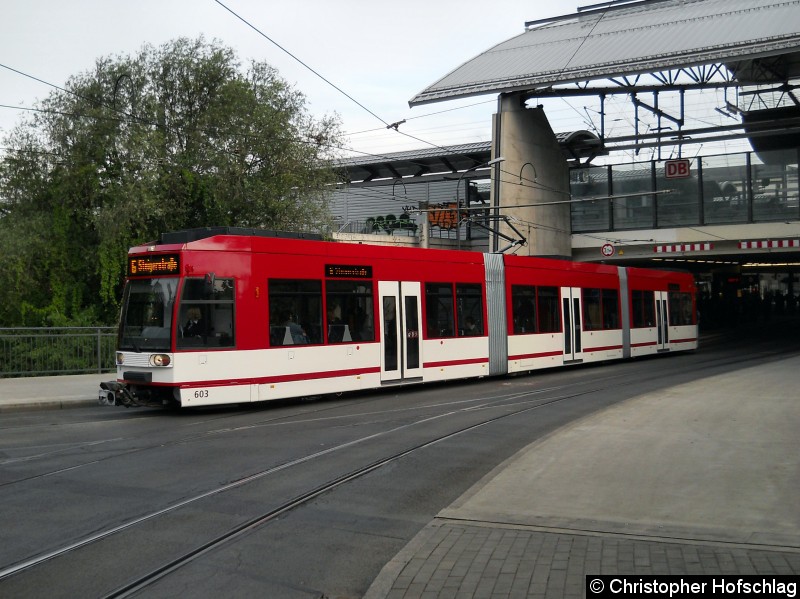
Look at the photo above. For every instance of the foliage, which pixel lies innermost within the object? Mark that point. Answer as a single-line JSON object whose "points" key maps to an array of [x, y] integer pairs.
{"points": [[175, 137]]}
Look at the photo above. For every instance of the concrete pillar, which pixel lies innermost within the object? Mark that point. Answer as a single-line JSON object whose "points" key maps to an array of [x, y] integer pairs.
{"points": [[425, 226], [534, 172]]}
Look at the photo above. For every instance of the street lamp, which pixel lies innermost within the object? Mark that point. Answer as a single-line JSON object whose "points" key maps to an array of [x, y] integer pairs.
{"points": [[492, 162]]}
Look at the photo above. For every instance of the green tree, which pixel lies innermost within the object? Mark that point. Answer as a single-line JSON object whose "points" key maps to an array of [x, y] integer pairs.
{"points": [[174, 137]]}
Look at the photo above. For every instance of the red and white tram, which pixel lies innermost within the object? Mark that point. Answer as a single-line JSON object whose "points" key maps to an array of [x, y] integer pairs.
{"points": [[219, 316]]}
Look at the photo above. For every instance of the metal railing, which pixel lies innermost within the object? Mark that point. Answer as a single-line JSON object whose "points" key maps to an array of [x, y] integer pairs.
{"points": [[56, 350], [407, 229], [379, 227]]}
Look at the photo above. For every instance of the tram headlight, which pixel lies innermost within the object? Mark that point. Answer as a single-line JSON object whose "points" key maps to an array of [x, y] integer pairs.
{"points": [[160, 360]]}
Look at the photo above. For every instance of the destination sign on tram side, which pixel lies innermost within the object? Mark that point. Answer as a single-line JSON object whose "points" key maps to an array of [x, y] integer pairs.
{"points": [[164, 264], [347, 271]]}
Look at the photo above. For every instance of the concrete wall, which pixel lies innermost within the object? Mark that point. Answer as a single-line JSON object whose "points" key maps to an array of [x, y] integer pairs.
{"points": [[533, 176]]}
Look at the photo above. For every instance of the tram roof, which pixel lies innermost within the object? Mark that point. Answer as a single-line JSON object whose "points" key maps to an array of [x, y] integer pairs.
{"points": [[626, 38], [185, 236]]}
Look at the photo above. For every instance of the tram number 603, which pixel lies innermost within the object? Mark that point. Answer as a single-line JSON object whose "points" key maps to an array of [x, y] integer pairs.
{"points": [[200, 393]]}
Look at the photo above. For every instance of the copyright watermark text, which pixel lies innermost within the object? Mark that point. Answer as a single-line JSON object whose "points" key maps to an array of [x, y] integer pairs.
{"points": [[677, 587]]}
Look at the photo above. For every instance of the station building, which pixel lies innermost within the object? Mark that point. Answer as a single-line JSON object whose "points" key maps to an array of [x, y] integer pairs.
{"points": [[733, 219]]}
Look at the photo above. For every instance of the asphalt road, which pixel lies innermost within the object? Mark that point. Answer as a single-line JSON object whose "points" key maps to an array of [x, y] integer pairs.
{"points": [[95, 500]]}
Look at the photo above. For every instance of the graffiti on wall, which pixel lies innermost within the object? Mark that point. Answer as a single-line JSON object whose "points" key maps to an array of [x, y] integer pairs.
{"points": [[390, 223], [445, 216]]}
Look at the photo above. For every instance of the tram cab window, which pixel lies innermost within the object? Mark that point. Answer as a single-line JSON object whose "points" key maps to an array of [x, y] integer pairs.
{"points": [[534, 309], [680, 308], [206, 316], [600, 309], [643, 309], [349, 311], [146, 319], [295, 312]]}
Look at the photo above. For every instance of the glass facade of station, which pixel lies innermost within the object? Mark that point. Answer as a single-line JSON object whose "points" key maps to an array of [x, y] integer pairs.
{"points": [[728, 189]]}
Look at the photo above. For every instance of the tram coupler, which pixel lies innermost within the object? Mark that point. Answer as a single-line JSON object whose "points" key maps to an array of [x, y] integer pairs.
{"points": [[113, 393]]}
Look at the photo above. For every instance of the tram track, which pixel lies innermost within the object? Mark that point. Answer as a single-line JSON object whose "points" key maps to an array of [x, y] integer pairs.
{"points": [[312, 415], [37, 560], [263, 519], [292, 419], [141, 583], [152, 446], [504, 401], [479, 404]]}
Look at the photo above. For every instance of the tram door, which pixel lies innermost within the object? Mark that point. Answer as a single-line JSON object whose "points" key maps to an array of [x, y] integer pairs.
{"points": [[662, 320], [401, 339], [571, 308]]}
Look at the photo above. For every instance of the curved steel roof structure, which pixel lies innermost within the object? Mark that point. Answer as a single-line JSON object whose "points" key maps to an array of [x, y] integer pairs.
{"points": [[451, 159], [624, 38]]}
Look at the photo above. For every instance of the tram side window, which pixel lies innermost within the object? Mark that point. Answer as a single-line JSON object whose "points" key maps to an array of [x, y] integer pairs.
{"points": [[600, 309], [349, 311], [534, 309], [680, 308], [643, 309], [547, 301], [523, 309], [206, 313], [592, 310], [469, 303], [610, 309], [295, 312], [440, 321]]}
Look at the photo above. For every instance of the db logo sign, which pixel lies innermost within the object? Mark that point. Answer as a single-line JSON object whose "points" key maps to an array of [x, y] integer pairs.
{"points": [[676, 169], [608, 250]]}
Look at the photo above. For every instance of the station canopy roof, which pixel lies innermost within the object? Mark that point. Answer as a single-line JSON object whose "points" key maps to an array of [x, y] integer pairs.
{"points": [[626, 38], [428, 162]]}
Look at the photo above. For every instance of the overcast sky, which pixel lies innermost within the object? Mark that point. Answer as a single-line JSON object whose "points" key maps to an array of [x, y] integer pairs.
{"points": [[380, 53]]}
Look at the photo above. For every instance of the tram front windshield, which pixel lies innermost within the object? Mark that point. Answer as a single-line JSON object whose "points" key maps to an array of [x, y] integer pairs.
{"points": [[146, 323]]}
